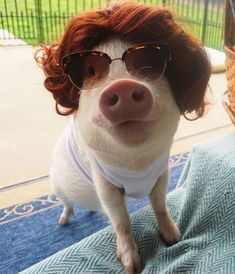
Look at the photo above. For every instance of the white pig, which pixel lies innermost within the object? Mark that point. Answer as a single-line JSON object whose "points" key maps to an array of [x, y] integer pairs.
{"points": [[129, 100]]}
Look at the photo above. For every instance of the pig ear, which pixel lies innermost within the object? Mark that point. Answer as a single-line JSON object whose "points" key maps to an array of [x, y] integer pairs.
{"points": [[64, 93], [188, 74]]}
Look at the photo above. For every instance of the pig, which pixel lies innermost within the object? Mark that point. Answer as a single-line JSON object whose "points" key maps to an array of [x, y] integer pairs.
{"points": [[124, 75]]}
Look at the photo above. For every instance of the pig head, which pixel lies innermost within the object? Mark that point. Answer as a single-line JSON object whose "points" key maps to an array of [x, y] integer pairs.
{"points": [[124, 119]]}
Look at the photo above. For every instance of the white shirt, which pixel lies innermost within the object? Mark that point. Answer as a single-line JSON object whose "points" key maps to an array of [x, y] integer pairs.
{"points": [[136, 184]]}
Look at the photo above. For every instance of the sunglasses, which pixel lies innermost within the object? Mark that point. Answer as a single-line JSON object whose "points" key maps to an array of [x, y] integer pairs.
{"points": [[88, 69]]}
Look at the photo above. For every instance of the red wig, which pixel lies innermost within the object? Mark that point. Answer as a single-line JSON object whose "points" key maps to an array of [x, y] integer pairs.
{"points": [[188, 72]]}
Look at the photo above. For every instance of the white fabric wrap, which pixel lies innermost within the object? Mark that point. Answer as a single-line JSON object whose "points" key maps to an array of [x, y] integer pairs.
{"points": [[136, 184]]}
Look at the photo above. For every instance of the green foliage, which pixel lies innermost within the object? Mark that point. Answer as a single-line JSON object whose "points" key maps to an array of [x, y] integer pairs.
{"points": [[42, 21]]}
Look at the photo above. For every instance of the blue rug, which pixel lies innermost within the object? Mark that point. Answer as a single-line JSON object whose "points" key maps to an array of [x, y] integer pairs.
{"points": [[30, 232]]}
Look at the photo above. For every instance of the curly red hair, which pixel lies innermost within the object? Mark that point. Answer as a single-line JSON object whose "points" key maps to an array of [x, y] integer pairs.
{"points": [[188, 72]]}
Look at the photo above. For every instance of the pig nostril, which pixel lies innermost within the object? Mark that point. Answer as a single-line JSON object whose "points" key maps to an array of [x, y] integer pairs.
{"points": [[137, 96], [113, 99]]}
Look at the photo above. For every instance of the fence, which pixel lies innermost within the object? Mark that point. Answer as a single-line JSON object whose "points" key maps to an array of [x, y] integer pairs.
{"points": [[41, 21]]}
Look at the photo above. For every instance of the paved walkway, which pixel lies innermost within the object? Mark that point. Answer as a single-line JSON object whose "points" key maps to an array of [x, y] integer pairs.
{"points": [[29, 126]]}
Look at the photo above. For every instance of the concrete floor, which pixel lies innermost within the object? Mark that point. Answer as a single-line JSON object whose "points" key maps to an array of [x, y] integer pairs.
{"points": [[30, 127]]}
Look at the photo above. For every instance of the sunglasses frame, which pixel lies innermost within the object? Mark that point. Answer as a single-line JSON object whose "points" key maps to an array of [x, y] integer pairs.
{"points": [[83, 53]]}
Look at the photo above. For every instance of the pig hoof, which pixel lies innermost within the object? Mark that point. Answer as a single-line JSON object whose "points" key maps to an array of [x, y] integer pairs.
{"points": [[171, 235], [64, 217], [130, 260]]}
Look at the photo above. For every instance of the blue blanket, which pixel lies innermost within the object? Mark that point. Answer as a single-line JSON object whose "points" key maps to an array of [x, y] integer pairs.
{"points": [[204, 206]]}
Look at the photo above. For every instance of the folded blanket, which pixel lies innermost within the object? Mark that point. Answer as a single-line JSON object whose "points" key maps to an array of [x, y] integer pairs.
{"points": [[204, 206]]}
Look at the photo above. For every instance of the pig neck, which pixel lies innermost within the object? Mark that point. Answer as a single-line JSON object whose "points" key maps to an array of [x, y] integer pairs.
{"points": [[127, 159], [130, 161]]}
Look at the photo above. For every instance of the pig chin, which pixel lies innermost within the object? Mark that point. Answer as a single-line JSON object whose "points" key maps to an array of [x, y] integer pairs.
{"points": [[132, 132], [129, 132]]}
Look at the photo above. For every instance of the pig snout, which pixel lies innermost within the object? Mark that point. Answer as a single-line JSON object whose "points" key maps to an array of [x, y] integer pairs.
{"points": [[126, 100]]}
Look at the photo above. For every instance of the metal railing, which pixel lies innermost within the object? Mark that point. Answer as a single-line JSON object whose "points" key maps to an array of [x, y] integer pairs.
{"points": [[42, 21]]}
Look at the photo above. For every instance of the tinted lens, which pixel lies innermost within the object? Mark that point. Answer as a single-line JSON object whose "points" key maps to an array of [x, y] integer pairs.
{"points": [[145, 62], [86, 70]]}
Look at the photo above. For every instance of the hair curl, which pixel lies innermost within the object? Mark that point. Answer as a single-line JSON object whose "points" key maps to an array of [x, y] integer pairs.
{"points": [[188, 73]]}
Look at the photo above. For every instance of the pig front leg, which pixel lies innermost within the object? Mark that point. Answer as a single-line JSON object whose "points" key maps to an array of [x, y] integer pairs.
{"points": [[168, 227], [113, 202], [64, 217]]}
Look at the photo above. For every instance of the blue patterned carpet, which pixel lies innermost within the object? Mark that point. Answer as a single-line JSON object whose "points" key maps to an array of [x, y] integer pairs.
{"points": [[30, 232]]}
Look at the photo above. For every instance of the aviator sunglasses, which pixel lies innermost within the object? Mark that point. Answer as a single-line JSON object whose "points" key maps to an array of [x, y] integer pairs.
{"points": [[89, 69]]}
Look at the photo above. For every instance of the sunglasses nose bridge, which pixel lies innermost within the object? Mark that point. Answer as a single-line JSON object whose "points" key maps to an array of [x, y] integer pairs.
{"points": [[116, 59], [117, 70]]}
